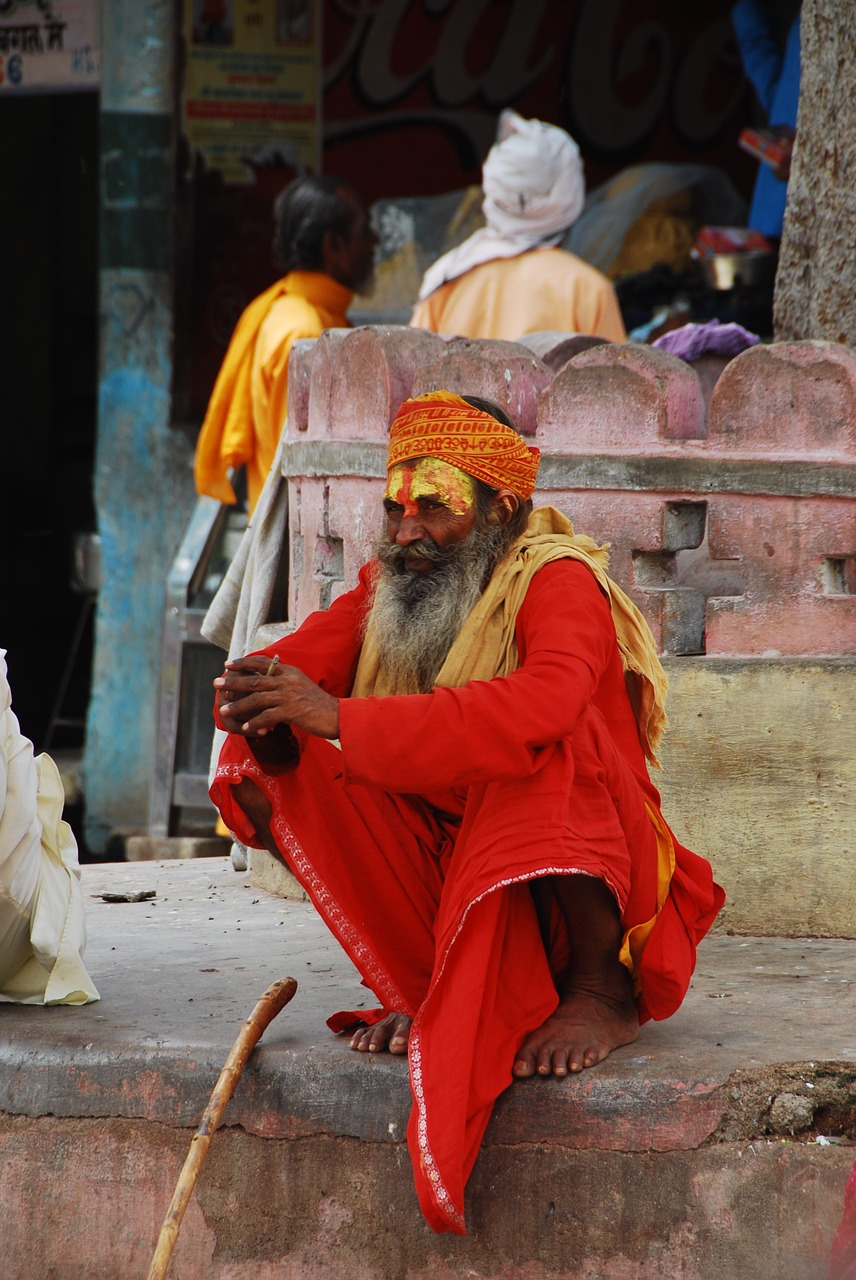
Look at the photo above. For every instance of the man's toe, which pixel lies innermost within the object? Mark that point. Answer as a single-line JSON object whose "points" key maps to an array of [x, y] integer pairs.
{"points": [[577, 1059]]}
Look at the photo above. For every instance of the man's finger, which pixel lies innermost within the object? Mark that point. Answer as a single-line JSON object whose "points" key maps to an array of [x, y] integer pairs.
{"points": [[255, 665], [259, 723], [254, 710], [235, 687], [244, 705], [245, 721]]}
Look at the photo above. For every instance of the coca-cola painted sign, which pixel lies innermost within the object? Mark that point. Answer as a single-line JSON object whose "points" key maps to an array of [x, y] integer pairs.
{"points": [[413, 87]]}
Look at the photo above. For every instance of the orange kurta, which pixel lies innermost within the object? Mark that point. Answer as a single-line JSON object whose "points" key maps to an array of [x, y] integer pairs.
{"points": [[247, 408], [417, 840], [542, 289]]}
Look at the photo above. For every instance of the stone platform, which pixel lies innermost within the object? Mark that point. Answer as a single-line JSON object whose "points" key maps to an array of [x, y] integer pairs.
{"points": [[700, 1151]]}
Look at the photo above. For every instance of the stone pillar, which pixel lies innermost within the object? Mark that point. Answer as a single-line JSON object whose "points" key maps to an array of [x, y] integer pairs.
{"points": [[816, 280], [143, 478]]}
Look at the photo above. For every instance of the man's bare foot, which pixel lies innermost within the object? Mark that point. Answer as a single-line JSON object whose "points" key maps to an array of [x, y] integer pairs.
{"points": [[585, 1028], [392, 1033]]}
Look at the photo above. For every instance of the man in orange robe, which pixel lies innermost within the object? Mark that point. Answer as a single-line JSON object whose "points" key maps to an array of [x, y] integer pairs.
{"points": [[452, 760], [511, 277], [326, 245], [542, 289]]}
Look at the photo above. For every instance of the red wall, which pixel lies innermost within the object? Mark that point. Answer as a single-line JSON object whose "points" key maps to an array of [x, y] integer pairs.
{"points": [[413, 87]]}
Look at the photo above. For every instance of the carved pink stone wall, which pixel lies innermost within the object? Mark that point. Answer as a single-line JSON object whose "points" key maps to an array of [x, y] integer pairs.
{"points": [[732, 525]]}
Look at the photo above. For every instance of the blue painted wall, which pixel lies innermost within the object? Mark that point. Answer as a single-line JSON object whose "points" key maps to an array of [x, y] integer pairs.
{"points": [[143, 468]]}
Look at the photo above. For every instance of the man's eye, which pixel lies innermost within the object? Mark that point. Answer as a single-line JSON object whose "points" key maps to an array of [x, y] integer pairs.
{"points": [[393, 508]]}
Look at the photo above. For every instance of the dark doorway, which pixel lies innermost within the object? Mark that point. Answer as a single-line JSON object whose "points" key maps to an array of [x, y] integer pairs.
{"points": [[48, 365]]}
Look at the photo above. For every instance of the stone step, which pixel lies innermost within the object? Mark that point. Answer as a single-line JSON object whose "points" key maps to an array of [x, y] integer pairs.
{"points": [[718, 1144], [759, 775]]}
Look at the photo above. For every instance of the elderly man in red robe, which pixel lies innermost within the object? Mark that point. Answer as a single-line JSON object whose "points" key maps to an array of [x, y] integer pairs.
{"points": [[452, 761]]}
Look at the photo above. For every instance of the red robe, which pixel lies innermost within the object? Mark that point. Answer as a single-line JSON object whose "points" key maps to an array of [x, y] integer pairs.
{"points": [[842, 1262], [417, 839]]}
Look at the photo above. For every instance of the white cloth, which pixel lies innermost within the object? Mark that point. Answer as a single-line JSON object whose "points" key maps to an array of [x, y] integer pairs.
{"points": [[612, 209], [245, 597], [534, 190], [42, 921]]}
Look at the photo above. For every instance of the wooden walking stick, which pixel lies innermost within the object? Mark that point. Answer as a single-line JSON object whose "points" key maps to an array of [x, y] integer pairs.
{"points": [[275, 998]]}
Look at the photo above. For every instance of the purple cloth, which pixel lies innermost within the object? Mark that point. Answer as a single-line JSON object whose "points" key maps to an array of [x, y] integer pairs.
{"points": [[710, 339]]}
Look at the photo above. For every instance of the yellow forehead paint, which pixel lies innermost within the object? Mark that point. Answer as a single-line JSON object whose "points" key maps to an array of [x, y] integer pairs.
{"points": [[431, 478]]}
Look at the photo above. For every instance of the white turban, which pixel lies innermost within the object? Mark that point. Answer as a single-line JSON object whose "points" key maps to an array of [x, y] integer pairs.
{"points": [[533, 180], [534, 190]]}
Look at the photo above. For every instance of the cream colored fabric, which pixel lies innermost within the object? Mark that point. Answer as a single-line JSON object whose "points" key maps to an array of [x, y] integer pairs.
{"points": [[42, 924], [245, 599], [544, 289], [486, 646]]}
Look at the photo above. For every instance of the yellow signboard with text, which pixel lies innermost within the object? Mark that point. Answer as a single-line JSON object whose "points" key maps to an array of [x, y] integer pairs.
{"points": [[252, 85]]}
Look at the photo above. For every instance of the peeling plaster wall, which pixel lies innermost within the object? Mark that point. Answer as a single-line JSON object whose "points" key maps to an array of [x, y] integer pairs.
{"points": [[143, 478]]}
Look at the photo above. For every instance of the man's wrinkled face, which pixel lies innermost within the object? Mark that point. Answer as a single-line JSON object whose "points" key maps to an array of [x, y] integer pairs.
{"points": [[430, 509]]}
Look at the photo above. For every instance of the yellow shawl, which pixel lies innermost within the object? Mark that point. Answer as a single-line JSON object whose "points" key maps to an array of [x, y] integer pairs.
{"points": [[486, 646], [228, 424]]}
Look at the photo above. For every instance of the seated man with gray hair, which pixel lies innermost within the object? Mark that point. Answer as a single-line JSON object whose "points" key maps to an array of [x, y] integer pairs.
{"points": [[510, 277], [452, 761]]}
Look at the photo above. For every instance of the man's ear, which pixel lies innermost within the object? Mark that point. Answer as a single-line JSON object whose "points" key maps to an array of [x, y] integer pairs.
{"points": [[505, 506]]}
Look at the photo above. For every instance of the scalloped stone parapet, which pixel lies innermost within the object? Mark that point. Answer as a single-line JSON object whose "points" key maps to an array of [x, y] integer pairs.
{"points": [[300, 361], [320, 420], [741, 543], [621, 398], [505, 372], [556, 348], [788, 399], [373, 371]]}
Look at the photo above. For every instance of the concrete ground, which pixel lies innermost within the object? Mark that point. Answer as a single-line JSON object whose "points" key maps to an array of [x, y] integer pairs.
{"points": [[717, 1145]]}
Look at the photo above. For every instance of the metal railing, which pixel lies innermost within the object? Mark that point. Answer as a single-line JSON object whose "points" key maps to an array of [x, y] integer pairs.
{"points": [[189, 663]]}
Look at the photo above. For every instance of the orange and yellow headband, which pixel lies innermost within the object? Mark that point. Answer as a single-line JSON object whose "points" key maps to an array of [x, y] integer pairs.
{"points": [[442, 425]]}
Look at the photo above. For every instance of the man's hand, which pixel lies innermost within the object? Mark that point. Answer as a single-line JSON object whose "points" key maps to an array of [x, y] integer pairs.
{"points": [[252, 703]]}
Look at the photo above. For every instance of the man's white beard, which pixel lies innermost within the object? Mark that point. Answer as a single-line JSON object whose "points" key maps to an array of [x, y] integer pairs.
{"points": [[416, 617]]}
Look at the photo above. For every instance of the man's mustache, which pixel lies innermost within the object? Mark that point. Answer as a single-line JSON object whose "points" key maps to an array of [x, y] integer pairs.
{"points": [[425, 549]]}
